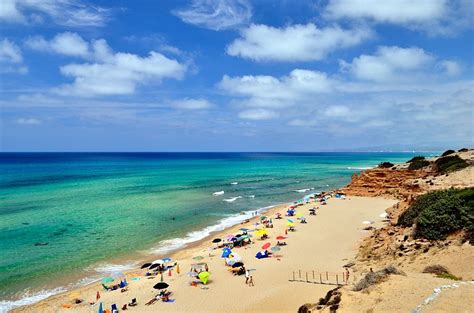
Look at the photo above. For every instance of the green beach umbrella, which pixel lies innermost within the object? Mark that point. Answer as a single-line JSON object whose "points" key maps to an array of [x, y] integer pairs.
{"points": [[198, 258], [204, 277], [107, 280]]}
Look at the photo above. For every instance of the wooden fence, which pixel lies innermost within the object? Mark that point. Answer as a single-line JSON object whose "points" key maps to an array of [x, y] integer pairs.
{"points": [[315, 277]]}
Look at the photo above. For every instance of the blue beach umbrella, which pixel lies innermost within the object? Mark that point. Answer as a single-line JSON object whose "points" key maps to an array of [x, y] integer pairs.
{"points": [[291, 221], [166, 260], [100, 310], [226, 252]]}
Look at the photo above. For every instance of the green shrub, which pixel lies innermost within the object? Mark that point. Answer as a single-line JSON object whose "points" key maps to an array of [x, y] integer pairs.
{"points": [[439, 213], [448, 276], [416, 158], [418, 164], [448, 152], [386, 165], [450, 163]]}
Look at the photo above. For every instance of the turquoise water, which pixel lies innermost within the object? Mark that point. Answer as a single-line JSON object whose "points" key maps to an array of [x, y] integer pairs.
{"points": [[91, 208]]}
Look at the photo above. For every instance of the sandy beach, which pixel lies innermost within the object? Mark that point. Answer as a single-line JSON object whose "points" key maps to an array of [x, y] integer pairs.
{"points": [[324, 244]]}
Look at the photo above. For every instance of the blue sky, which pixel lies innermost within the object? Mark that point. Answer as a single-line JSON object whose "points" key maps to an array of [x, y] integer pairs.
{"points": [[241, 75]]}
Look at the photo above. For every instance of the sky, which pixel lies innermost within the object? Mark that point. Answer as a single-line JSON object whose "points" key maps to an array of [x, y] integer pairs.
{"points": [[236, 75]]}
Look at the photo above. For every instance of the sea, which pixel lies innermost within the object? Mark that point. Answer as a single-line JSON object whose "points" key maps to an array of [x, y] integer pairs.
{"points": [[68, 219]]}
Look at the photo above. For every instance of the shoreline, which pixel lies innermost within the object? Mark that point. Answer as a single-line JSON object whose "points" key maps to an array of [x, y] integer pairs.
{"points": [[125, 261], [181, 255]]}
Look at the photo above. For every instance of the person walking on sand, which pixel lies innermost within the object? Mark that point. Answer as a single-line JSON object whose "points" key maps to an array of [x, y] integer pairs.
{"points": [[251, 282], [247, 276], [347, 275]]}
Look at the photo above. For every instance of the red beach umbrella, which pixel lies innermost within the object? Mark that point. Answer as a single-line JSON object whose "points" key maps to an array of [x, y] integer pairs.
{"points": [[266, 246], [280, 237]]}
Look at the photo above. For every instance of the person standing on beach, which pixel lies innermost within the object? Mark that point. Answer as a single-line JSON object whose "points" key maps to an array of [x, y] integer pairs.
{"points": [[347, 275], [247, 276], [251, 282]]}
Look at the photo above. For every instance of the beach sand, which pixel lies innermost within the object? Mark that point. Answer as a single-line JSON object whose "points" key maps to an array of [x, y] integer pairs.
{"points": [[327, 242]]}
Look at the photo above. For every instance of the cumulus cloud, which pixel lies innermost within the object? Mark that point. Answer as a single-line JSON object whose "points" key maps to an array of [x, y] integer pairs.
{"points": [[107, 72], [72, 13], [67, 43], [28, 121], [389, 64], [258, 114], [191, 104], [452, 68], [433, 16], [294, 43], [11, 58], [216, 14]]}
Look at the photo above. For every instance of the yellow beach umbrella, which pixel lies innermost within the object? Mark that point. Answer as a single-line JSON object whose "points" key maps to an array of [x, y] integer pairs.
{"points": [[299, 214], [290, 224], [204, 277], [261, 232]]}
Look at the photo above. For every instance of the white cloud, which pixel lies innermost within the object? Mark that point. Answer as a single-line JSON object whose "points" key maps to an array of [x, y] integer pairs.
{"points": [[11, 58], [337, 111], [28, 121], [389, 64], [216, 14], [67, 43], [433, 16], [258, 114], [272, 92], [118, 73], [191, 104], [294, 43], [73, 13], [452, 68]]}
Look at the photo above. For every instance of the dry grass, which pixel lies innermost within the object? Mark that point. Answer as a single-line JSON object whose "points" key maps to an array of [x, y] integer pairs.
{"points": [[373, 278]]}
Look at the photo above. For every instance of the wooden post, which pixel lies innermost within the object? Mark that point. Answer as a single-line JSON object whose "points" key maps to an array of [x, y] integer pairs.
{"points": [[320, 278], [327, 276], [293, 275], [337, 279], [313, 275], [300, 274], [307, 277]]}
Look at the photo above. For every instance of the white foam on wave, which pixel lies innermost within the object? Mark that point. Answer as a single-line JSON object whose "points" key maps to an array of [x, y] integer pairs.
{"points": [[28, 298], [359, 167], [251, 196], [167, 246], [232, 199], [218, 193], [114, 268], [234, 183], [303, 190]]}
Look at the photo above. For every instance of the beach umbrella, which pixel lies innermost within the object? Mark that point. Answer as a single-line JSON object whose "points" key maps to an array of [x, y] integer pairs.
{"points": [[166, 260], [290, 224], [226, 252], [299, 214], [244, 229], [100, 310], [280, 237], [266, 246], [107, 280], [145, 265], [154, 265], [237, 264], [290, 221], [217, 240], [275, 249], [198, 258], [159, 261], [261, 232], [204, 277], [263, 217], [161, 285]]}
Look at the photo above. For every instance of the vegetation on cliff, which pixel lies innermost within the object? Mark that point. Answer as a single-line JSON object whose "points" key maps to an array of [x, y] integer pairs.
{"points": [[450, 164], [440, 213]]}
